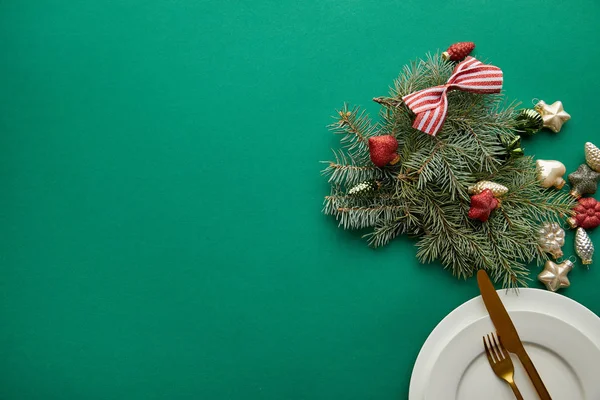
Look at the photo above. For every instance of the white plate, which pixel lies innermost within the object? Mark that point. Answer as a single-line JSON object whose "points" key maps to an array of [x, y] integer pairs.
{"points": [[566, 360], [535, 300]]}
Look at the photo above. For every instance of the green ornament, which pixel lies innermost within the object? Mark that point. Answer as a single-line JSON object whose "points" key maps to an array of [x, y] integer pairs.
{"points": [[529, 121], [364, 188], [512, 145]]}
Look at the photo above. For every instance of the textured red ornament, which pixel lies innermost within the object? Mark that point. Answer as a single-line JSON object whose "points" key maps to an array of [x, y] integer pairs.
{"points": [[383, 150], [587, 214], [458, 51], [482, 205]]}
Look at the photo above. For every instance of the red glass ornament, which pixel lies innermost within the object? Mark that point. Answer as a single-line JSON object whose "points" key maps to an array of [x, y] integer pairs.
{"points": [[482, 205], [587, 214], [383, 150]]}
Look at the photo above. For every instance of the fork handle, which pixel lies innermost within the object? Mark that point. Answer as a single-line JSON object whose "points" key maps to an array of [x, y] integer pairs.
{"points": [[515, 390]]}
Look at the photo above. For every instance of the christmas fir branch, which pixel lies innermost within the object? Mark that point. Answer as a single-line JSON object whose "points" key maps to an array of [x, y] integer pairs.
{"points": [[426, 194]]}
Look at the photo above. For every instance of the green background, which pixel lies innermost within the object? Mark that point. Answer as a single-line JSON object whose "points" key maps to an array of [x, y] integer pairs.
{"points": [[161, 229]]}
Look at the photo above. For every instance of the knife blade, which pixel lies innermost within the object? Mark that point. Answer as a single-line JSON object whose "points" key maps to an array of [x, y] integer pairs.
{"points": [[507, 331]]}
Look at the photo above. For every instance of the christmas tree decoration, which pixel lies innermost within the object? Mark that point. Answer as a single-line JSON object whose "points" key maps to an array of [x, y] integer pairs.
{"points": [[592, 156], [584, 246], [512, 145], [497, 189], [554, 275], [482, 205], [550, 173], [583, 181], [383, 150], [458, 51], [529, 122], [551, 239], [426, 194], [587, 214], [431, 105], [365, 188], [554, 115]]}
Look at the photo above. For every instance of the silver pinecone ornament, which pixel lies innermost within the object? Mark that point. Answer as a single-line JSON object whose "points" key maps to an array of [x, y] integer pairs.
{"points": [[551, 239], [592, 156], [584, 246], [496, 188]]}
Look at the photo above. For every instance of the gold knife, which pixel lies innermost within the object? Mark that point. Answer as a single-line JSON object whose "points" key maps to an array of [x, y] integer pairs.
{"points": [[508, 333]]}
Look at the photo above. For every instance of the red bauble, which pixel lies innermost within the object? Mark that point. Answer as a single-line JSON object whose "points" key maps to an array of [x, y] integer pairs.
{"points": [[482, 205], [587, 214], [458, 51], [383, 150]]}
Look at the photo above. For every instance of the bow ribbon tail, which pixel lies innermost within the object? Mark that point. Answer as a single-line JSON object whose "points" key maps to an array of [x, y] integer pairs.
{"points": [[431, 121]]}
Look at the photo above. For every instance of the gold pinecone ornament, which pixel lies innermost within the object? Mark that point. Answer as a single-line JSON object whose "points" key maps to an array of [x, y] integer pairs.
{"points": [[497, 189], [551, 239], [592, 156]]}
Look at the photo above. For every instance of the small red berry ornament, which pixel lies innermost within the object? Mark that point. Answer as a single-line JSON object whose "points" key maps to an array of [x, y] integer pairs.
{"points": [[587, 214], [458, 51], [482, 205], [383, 150]]}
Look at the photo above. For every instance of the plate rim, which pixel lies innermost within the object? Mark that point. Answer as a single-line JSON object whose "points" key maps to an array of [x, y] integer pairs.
{"points": [[472, 309], [522, 318]]}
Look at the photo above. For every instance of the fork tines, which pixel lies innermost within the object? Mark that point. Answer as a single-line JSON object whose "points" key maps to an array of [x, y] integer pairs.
{"points": [[493, 348]]}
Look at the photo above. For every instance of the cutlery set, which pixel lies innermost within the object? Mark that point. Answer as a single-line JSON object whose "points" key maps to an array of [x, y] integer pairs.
{"points": [[498, 348]]}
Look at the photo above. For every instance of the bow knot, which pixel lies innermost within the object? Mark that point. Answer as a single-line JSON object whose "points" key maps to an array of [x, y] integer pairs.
{"points": [[431, 104]]}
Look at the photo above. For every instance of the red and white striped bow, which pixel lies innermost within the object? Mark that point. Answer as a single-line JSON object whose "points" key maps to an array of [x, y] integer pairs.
{"points": [[431, 104]]}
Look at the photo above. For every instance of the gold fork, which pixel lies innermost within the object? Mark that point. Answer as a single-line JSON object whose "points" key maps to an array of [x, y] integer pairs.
{"points": [[500, 362]]}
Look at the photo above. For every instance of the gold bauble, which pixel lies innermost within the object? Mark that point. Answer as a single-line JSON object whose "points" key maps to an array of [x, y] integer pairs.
{"points": [[554, 275], [496, 188], [554, 114], [550, 173], [592, 156]]}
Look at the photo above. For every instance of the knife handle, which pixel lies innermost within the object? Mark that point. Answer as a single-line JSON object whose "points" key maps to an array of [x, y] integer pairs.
{"points": [[534, 376]]}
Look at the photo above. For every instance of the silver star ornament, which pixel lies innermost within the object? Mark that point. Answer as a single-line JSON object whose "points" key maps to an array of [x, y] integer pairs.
{"points": [[554, 115], [554, 275]]}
